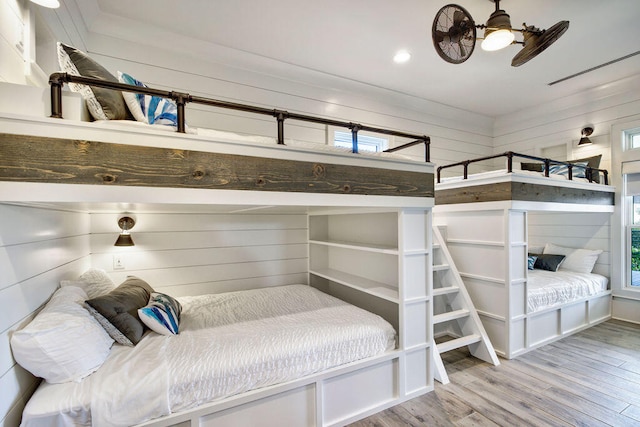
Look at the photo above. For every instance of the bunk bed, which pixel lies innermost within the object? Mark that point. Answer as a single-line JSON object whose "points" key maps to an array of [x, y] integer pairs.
{"points": [[62, 161], [499, 223]]}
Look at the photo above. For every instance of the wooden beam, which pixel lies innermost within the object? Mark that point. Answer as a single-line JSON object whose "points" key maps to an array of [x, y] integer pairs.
{"points": [[523, 192], [27, 158]]}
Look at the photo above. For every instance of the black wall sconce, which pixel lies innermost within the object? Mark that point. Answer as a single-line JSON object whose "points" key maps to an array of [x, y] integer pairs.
{"points": [[586, 133], [125, 223]]}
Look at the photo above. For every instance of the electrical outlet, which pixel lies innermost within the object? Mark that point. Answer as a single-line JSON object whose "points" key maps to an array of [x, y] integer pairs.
{"points": [[118, 263]]}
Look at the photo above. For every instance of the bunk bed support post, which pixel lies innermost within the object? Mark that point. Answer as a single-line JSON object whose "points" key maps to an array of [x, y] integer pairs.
{"points": [[56, 80], [354, 135], [280, 115], [181, 99]]}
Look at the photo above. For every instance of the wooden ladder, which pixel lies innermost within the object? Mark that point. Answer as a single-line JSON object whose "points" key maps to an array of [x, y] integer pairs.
{"points": [[454, 313]]}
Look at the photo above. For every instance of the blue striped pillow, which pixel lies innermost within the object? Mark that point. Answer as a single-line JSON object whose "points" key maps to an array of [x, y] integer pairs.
{"points": [[152, 110], [162, 314]]}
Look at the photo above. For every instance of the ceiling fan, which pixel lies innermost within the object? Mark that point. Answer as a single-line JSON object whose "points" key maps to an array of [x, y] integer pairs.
{"points": [[454, 35]]}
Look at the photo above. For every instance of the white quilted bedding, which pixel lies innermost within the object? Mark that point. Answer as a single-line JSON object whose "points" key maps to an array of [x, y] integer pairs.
{"points": [[548, 288], [228, 343]]}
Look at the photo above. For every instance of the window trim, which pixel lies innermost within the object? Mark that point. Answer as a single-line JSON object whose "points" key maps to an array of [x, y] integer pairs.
{"points": [[331, 137]]}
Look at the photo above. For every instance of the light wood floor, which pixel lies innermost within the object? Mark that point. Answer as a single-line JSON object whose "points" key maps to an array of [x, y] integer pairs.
{"points": [[589, 379]]}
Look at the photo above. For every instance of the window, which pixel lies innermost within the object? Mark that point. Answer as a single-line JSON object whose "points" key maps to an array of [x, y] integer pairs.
{"points": [[366, 142], [634, 244], [631, 202]]}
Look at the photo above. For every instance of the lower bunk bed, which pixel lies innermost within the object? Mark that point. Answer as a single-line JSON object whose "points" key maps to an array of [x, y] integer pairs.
{"points": [[101, 168], [226, 347], [496, 224]]}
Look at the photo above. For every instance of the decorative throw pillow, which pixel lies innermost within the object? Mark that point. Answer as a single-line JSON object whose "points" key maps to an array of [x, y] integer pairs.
{"points": [[103, 104], [531, 261], [152, 110], [577, 260], [117, 311], [536, 167], [592, 162], [578, 172], [63, 342], [162, 314], [94, 282], [549, 262]]}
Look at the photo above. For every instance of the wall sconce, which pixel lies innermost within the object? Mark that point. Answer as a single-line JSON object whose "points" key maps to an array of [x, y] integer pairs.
{"points": [[125, 223], [586, 133]]}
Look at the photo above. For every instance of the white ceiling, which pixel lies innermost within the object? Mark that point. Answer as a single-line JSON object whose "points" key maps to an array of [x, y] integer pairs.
{"points": [[314, 41]]}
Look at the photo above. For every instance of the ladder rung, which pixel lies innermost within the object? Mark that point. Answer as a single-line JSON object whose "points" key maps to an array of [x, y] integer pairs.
{"points": [[457, 343], [440, 267], [450, 315], [445, 290]]}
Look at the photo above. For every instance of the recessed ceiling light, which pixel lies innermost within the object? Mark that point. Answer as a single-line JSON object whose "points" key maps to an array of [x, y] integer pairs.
{"points": [[401, 56]]}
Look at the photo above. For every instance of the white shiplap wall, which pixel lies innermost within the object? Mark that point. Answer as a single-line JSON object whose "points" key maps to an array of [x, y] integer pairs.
{"points": [[38, 248], [187, 254], [573, 230], [559, 124]]}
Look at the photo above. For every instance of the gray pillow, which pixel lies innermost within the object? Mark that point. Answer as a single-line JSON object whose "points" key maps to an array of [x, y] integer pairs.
{"points": [[548, 262], [117, 311], [103, 104]]}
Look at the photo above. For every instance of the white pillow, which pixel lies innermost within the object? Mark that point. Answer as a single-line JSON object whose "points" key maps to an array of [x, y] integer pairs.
{"points": [[578, 260], [63, 342], [94, 282]]}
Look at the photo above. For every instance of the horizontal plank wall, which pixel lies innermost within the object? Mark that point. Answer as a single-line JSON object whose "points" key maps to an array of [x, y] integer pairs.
{"points": [[190, 254], [222, 73], [38, 248], [574, 230], [541, 128]]}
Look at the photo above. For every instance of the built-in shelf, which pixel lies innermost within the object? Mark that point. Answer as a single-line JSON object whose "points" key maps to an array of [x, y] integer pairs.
{"points": [[371, 287], [357, 246]]}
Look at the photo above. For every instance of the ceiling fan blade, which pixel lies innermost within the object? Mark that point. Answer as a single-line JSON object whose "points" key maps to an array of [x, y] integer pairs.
{"points": [[535, 42]]}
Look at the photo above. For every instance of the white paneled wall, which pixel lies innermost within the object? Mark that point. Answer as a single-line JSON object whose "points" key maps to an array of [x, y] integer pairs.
{"points": [[573, 230], [559, 124], [38, 248], [187, 254]]}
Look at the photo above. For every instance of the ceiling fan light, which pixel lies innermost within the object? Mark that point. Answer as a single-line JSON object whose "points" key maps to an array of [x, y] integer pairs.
{"points": [[497, 39], [498, 34]]}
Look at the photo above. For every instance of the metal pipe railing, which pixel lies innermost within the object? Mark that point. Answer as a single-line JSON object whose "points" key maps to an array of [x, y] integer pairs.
{"points": [[589, 171], [57, 81]]}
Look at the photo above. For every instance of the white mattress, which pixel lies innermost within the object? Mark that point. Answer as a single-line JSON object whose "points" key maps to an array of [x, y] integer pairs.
{"points": [[229, 343], [219, 135], [505, 172], [549, 288]]}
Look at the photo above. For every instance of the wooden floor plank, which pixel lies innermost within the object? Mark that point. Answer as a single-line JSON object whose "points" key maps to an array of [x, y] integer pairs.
{"points": [[590, 379]]}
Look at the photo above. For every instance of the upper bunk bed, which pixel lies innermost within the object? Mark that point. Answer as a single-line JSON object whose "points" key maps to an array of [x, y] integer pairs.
{"points": [[85, 157], [538, 182]]}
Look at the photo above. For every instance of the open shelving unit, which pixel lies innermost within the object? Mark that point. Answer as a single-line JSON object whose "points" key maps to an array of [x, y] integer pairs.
{"points": [[382, 262]]}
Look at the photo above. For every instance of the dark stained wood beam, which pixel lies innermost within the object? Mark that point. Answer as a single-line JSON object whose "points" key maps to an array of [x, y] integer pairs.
{"points": [[523, 192], [27, 158]]}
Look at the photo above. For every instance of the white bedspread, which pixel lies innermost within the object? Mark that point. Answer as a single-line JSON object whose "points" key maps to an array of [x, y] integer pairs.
{"points": [[229, 343], [548, 288]]}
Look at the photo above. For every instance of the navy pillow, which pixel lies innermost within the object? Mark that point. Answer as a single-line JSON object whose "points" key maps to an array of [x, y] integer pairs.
{"points": [[548, 262]]}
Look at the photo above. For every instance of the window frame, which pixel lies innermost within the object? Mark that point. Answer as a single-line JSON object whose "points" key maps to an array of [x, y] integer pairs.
{"points": [[385, 143]]}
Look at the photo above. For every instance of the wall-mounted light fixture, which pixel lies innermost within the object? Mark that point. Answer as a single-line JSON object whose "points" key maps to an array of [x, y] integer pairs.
{"points": [[586, 133], [125, 223], [51, 4]]}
